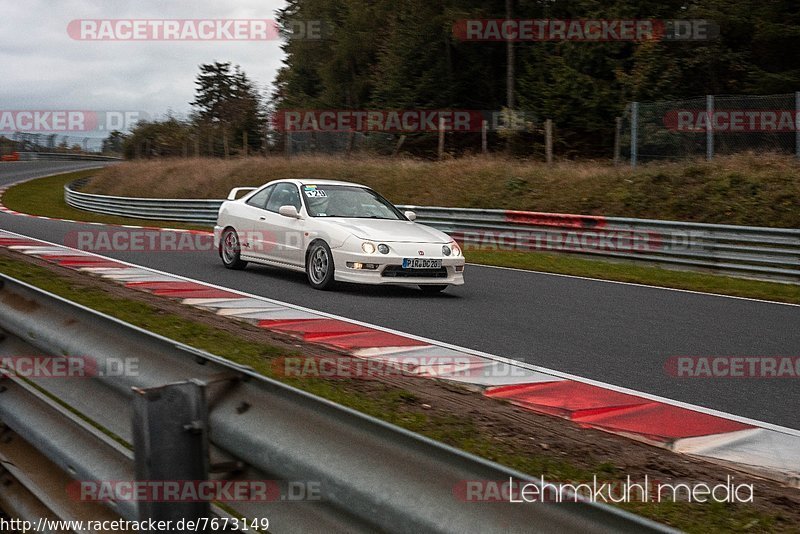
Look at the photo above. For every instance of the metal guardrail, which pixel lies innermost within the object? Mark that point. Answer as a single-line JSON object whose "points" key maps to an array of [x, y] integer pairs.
{"points": [[755, 252], [198, 211], [63, 156], [372, 476]]}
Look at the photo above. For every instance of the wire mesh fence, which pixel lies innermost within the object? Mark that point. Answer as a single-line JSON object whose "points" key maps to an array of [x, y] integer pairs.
{"points": [[529, 141], [699, 127], [324, 142], [710, 125]]}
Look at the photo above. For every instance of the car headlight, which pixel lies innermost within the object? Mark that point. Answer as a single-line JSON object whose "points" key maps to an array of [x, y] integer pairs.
{"points": [[455, 249], [383, 249], [446, 250], [368, 247]]}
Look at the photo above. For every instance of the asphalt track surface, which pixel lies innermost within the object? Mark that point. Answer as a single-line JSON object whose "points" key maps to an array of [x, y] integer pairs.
{"points": [[621, 334]]}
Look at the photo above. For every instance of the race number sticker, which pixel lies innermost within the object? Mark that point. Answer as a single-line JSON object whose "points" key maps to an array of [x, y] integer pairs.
{"points": [[312, 191]]}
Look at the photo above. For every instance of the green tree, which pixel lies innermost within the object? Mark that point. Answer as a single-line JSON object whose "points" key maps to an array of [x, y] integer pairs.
{"points": [[114, 143], [170, 137], [389, 54], [228, 104]]}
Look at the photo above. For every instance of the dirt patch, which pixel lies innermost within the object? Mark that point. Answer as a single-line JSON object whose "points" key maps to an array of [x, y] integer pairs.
{"points": [[511, 431]]}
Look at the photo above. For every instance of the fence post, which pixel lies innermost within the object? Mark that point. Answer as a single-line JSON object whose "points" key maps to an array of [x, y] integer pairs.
{"points": [[797, 124], [399, 145], [313, 145], [634, 133], [197, 146], [244, 142], [287, 142], [548, 140], [441, 137], [484, 139], [617, 139], [709, 127], [170, 438]]}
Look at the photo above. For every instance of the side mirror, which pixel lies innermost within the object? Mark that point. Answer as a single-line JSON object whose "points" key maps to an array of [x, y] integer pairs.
{"points": [[289, 211], [410, 215]]}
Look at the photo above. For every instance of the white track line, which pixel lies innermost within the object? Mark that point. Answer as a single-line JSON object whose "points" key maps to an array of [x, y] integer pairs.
{"points": [[530, 271]]}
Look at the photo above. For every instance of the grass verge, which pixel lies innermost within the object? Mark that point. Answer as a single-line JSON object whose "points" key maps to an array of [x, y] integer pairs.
{"points": [[392, 404], [45, 196], [639, 274]]}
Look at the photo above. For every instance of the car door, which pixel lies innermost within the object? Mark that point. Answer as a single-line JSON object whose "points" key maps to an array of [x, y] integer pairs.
{"points": [[252, 210], [280, 238]]}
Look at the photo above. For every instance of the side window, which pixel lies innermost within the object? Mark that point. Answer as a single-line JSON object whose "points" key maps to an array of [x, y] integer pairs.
{"points": [[259, 200], [284, 195]]}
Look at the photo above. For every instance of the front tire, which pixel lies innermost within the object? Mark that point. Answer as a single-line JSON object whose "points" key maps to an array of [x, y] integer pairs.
{"points": [[320, 267], [230, 250], [433, 289]]}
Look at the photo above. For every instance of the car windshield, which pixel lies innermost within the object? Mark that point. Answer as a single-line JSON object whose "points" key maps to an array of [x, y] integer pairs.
{"points": [[348, 201]]}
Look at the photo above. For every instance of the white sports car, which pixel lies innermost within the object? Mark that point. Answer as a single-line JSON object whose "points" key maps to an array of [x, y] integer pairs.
{"points": [[334, 231]]}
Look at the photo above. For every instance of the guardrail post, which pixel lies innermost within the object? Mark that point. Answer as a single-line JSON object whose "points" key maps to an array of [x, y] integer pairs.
{"points": [[170, 437]]}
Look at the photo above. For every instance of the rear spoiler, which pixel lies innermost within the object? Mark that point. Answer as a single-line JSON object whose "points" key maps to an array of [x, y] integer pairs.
{"points": [[235, 191]]}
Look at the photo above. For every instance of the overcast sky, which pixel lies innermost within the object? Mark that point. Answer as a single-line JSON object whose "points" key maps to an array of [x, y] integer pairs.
{"points": [[43, 68]]}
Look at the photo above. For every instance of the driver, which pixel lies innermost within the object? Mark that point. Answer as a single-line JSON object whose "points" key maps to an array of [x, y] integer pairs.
{"points": [[318, 205], [341, 205]]}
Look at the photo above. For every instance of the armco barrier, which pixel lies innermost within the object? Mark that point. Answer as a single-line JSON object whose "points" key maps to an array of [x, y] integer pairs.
{"points": [[755, 252], [62, 156], [192, 211]]}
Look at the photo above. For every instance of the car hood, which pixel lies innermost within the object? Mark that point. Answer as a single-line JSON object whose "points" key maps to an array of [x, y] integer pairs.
{"points": [[387, 231]]}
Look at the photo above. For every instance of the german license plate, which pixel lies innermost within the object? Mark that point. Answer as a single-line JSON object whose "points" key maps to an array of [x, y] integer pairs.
{"points": [[421, 263]]}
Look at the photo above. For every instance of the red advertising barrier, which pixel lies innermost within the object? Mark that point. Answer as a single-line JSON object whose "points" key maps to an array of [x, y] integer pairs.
{"points": [[534, 218]]}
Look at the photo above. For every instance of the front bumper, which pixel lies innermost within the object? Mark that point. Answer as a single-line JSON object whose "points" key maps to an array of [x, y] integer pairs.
{"points": [[452, 272]]}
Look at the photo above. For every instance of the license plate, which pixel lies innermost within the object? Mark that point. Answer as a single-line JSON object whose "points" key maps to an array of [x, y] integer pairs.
{"points": [[421, 263]]}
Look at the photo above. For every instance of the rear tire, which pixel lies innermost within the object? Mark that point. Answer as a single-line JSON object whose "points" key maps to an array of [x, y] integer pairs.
{"points": [[230, 250], [320, 267], [433, 289]]}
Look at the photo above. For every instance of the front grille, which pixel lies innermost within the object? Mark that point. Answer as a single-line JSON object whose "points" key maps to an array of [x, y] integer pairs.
{"points": [[396, 271]]}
